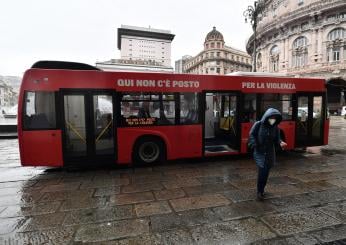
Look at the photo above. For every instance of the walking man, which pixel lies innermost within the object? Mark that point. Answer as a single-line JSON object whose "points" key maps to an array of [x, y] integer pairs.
{"points": [[264, 137]]}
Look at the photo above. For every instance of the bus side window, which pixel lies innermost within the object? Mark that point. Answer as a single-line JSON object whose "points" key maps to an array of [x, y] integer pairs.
{"points": [[189, 108], [39, 110], [249, 109]]}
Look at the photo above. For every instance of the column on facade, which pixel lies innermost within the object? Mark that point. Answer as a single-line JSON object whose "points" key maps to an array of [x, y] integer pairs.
{"points": [[342, 53], [322, 50], [287, 55]]}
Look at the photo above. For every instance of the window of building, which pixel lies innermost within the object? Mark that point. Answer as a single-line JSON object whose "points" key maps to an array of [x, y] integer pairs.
{"points": [[218, 45], [336, 54], [217, 54], [274, 58], [212, 45], [281, 102], [338, 33], [218, 70], [300, 52], [189, 108], [249, 108], [212, 55], [218, 62], [145, 109], [39, 110], [207, 45]]}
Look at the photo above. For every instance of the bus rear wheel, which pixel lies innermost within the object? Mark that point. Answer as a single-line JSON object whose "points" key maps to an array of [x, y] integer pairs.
{"points": [[148, 150]]}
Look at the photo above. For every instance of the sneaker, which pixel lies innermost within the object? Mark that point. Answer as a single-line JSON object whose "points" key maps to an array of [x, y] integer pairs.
{"points": [[260, 197]]}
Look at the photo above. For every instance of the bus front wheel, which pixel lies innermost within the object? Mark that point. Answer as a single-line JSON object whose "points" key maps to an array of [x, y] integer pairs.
{"points": [[148, 150]]}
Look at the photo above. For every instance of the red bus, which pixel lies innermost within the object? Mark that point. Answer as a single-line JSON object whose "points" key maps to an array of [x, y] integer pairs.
{"points": [[72, 113]]}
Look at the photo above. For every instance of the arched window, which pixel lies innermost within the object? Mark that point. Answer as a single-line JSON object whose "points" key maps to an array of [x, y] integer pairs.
{"points": [[334, 48], [300, 52], [274, 58], [338, 33]]}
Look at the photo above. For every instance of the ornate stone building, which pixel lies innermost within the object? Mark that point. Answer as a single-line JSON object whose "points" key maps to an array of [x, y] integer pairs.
{"points": [[217, 58], [303, 37]]}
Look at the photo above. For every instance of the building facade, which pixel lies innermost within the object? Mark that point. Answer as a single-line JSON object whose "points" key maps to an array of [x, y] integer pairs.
{"points": [[8, 97], [303, 38], [217, 58], [179, 64], [141, 49]]}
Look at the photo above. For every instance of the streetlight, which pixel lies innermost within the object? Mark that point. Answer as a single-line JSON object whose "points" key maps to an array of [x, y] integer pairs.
{"points": [[253, 13]]}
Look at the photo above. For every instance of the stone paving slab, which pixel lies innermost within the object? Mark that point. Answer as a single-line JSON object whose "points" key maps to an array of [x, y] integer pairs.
{"points": [[240, 195], [37, 209], [208, 189], [98, 215], [133, 198], [101, 192], [330, 234], [43, 222], [232, 232], [299, 221], [243, 209], [151, 186], [169, 194], [112, 230], [205, 201], [171, 221], [64, 195], [336, 210], [338, 182], [152, 208], [178, 183], [73, 204], [58, 236], [181, 237]]}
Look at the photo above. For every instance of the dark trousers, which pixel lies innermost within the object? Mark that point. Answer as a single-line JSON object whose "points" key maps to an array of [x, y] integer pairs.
{"points": [[262, 178]]}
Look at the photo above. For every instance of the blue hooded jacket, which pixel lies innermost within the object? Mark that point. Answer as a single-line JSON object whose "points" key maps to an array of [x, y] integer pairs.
{"points": [[264, 138]]}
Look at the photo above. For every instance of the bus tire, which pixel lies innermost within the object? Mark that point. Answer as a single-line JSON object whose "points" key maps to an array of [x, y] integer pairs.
{"points": [[149, 150]]}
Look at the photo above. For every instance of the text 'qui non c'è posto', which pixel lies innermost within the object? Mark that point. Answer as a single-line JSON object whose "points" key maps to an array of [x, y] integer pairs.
{"points": [[157, 83]]}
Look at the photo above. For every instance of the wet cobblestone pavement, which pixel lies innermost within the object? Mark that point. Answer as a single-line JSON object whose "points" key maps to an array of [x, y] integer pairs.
{"points": [[186, 202]]}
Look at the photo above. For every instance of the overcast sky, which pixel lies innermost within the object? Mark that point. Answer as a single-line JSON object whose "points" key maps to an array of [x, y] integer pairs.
{"points": [[85, 30]]}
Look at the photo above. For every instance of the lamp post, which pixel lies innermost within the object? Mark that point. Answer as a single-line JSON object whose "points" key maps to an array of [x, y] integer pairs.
{"points": [[253, 13]]}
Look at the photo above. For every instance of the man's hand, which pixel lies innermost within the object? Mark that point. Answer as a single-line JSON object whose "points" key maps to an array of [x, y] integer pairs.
{"points": [[283, 144]]}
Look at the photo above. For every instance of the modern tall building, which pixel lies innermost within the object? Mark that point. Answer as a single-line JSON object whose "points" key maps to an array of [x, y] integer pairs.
{"points": [[142, 49], [217, 58], [304, 38]]}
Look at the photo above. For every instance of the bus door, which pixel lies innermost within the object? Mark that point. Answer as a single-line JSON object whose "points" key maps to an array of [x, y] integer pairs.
{"points": [[88, 126], [310, 119], [221, 123]]}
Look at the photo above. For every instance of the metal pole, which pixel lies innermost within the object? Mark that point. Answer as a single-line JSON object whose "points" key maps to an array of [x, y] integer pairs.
{"points": [[254, 45]]}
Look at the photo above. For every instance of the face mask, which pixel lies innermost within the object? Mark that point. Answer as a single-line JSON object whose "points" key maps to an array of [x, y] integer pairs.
{"points": [[271, 121]]}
